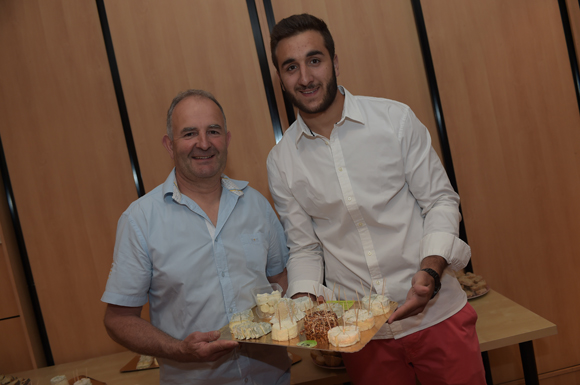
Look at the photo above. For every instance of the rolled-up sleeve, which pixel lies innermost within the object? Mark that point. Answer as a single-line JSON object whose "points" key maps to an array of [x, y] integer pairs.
{"points": [[429, 184]]}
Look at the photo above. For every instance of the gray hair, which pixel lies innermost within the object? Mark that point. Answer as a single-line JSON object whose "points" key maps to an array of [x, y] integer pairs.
{"points": [[186, 94]]}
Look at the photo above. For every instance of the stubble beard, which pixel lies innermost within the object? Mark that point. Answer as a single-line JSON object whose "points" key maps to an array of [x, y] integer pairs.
{"points": [[331, 89]]}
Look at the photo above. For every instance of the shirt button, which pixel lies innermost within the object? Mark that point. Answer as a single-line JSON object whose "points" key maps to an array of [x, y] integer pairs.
{"points": [[360, 224], [349, 199], [370, 253], [377, 283], [340, 169]]}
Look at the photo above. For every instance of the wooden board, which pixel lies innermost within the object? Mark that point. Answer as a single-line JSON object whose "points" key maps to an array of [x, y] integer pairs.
{"points": [[131, 366], [365, 337]]}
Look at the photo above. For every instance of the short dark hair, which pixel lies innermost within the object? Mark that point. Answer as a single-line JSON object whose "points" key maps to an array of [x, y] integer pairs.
{"points": [[296, 24], [186, 94]]}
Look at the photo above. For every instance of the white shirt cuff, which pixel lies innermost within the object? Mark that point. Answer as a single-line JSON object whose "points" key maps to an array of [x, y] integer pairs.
{"points": [[456, 252]]}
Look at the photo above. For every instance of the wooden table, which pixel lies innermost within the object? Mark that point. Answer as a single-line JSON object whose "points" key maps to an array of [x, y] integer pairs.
{"points": [[501, 322]]}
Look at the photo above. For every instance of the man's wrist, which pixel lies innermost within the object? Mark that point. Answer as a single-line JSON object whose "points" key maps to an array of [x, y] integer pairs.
{"points": [[436, 278]]}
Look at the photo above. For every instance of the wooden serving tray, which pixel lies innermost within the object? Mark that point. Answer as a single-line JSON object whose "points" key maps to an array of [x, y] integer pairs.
{"points": [[365, 336]]}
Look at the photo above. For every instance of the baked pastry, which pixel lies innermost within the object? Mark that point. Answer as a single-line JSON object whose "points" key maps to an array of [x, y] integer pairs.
{"points": [[326, 358], [144, 362], [471, 283], [343, 336], [361, 318]]}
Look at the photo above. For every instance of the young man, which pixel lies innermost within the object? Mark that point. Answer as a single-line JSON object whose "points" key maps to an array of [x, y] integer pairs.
{"points": [[194, 247], [364, 198]]}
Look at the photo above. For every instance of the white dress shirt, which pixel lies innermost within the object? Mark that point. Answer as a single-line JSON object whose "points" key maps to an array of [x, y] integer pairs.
{"points": [[365, 206]]}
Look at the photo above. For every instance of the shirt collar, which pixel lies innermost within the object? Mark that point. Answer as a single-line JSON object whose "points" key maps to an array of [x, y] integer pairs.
{"points": [[350, 111], [170, 187]]}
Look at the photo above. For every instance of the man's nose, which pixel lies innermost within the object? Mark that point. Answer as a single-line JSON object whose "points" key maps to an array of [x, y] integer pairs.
{"points": [[203, 141], [305, 76]]}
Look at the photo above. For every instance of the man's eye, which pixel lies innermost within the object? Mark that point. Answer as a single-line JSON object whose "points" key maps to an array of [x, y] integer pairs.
{"points": [[290, 68], [315, 61]]}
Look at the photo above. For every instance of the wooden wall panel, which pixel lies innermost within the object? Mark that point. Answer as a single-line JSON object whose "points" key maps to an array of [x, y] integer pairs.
{"points": [[14, 356], [377, 47], [166, 47], [68, 162], [514, 130], [8, 304]]}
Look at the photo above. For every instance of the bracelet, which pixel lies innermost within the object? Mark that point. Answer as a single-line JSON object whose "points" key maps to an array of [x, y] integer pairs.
{"points": [[437, 279]]}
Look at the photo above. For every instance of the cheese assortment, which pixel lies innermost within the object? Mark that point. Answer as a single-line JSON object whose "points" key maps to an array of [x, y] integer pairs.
{"points": [[284, 330], [377, 303], [286, 308], [248, 330], [303, 303], [361, 318], [343, 336], [59, 380], [238, 318], [334, 307], [267, 301]]}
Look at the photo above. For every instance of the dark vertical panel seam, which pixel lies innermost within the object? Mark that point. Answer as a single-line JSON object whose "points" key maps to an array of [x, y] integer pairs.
{"points": [[120, 98], [571, 48], [271, 23], [24, 259], [437, 108], [263, 60]]}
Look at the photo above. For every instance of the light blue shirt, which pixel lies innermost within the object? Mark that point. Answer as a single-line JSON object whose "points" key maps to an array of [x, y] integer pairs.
{"points": [[196, 276]]}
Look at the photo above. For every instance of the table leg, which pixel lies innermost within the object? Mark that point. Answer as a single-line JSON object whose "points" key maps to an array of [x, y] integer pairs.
{"points": [[529, 363], [485, 358]]}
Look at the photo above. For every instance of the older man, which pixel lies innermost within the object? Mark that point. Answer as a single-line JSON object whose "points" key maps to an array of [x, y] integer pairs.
{"points": [[194, 247]]}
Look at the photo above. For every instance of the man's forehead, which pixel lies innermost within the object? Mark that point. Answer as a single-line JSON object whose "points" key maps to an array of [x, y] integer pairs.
{"points": [[197, 109], [306, 43]]}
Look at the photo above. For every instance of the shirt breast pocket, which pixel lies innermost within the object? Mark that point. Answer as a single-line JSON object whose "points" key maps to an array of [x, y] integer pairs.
{"points": [[255, 251]]}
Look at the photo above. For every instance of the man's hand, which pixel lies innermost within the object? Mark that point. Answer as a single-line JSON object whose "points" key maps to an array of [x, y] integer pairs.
{"points": [[422, 286], [318, 300], [204, 347], [281, 279]]}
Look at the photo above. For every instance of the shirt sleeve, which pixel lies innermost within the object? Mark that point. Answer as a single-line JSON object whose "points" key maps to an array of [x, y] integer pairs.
{"points": [[305, 263], [130, 276], [429, 184], [277, 250]]}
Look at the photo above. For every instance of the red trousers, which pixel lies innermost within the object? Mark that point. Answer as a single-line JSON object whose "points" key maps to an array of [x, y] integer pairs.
{"points": [[444, 354]]}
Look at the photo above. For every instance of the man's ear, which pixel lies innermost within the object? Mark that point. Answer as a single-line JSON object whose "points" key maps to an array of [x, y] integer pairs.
{"points": [[228, 138], [280, 79], [335, 63], [168, 144]]}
